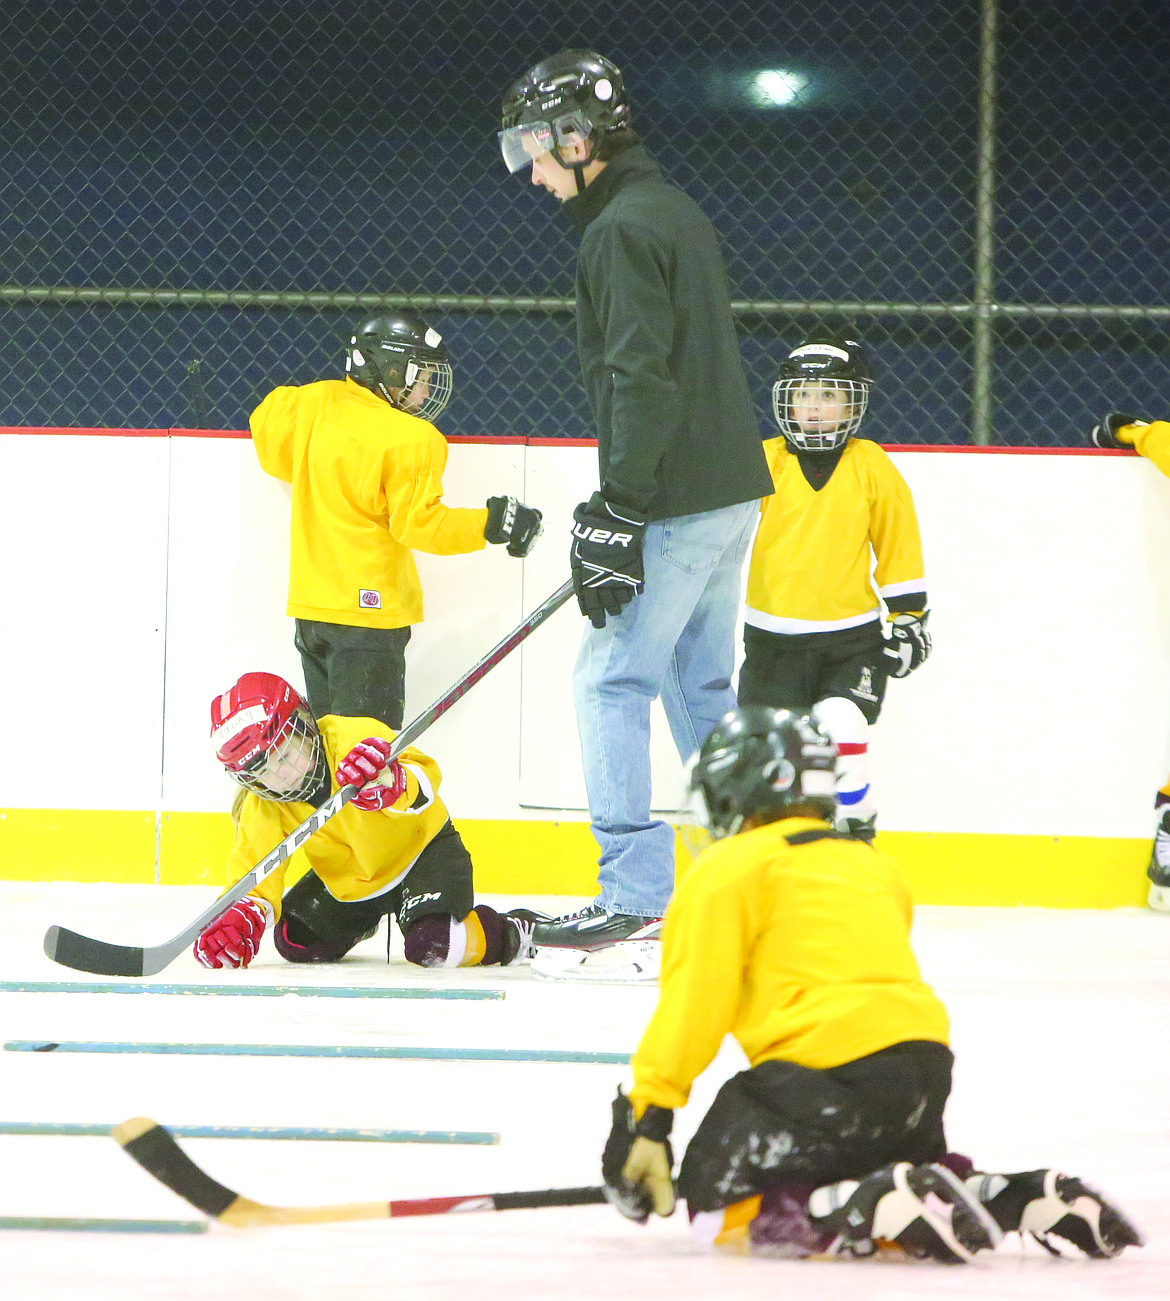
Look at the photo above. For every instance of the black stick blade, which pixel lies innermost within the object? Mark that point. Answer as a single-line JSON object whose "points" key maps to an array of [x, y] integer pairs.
{"points": [[553, 1197], [95, 956], [156, 1151]]}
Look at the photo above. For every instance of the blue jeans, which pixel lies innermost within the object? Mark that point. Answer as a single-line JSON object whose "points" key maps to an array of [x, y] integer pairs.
{"points": [[677, 640]]}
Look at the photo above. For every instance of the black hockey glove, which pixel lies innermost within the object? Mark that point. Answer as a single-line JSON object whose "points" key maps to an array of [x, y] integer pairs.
{"points": [[512, 522], [606, 558], [1105, 434], [911, 643], [637, 1161]]}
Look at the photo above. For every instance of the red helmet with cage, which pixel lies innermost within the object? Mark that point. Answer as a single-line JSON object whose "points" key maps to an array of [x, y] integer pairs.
{"points": [[266, 738]]}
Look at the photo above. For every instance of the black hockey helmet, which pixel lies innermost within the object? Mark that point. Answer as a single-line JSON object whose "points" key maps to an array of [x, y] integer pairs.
{"points": [[570, 96], [399, 351], [760, 760], [830, 360]]}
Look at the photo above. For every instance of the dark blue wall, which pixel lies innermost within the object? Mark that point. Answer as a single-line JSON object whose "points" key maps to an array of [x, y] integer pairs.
{"points": [[351, 148]]}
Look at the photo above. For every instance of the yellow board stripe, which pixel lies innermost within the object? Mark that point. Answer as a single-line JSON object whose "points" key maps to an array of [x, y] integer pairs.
{"points": [[561, 858]]}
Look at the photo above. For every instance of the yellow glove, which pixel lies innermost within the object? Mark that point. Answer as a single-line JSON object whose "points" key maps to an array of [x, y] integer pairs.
{"points": [[648, 1168]]}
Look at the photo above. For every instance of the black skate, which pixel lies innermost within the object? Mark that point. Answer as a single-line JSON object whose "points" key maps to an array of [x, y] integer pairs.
{"points": [[925, 1210], [1048, 1205], [595, 944], [863, 829]]}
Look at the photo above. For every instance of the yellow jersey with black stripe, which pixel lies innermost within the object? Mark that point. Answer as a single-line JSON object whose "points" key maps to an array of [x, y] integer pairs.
{"points": [[367, 490], [815, 549], [802, 952], [357, 854]]}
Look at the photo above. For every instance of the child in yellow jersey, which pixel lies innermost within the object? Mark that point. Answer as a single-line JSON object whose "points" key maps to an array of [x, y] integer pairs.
{"points": [[366, 468], [812, 634], [1151, 439], [795, 939], [391, 851]]}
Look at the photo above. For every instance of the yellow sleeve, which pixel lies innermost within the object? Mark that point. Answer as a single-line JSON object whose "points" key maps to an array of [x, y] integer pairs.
{"points": [[894, 535], [708, 914], [412, 479], [258, 832], [273, 424], [1152, 441]]}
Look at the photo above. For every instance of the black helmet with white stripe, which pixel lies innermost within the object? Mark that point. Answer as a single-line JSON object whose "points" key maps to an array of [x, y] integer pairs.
{"points": [[763, 762], [822, 393]]}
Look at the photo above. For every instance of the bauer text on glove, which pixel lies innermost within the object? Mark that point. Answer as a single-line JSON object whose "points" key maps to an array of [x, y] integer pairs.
{"points": [[606, 558], [511, 522], [368, 764]]}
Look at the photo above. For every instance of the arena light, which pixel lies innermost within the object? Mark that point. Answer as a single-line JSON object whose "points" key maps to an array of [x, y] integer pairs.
{"points": [[777, 87]]}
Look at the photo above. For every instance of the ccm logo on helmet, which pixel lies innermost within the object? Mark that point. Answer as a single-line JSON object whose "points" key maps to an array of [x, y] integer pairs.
{"points": [[603, 536]]}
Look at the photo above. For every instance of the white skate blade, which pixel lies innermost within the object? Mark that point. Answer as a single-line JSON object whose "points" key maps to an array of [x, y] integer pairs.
{"points": [[627, 962], [1159, 898]]}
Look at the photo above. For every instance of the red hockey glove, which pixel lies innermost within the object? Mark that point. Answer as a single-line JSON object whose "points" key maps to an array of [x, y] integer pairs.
{"points": [[232, 939], [367, 763]]}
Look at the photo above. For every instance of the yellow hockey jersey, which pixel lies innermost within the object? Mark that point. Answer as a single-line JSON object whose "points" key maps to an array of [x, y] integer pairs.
{"points": [[802, 952], [367, 488], [1153, 442], [356, 853], [814, 551]]}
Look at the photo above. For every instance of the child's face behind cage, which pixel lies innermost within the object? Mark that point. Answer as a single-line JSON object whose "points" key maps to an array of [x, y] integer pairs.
{"points": [[819, 406]]}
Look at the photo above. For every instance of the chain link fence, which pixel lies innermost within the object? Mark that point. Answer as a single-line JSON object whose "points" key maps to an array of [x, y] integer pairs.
{"points": [[202, 197]]}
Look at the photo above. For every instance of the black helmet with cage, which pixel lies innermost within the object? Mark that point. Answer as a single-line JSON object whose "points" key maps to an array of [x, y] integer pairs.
{"points": [[398, 356], [831, 368], [572, 97], [763, 762]]}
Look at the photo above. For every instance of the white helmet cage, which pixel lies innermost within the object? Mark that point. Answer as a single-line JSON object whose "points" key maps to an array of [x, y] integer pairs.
{"points": [[404, 361], [816, 370], [292, 767]]}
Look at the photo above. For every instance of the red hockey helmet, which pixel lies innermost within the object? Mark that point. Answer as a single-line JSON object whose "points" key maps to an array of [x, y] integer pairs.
{"points": [[266, 738]]}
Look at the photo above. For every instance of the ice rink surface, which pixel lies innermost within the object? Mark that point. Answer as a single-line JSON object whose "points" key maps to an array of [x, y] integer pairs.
{"points": [[1061, 1029]]}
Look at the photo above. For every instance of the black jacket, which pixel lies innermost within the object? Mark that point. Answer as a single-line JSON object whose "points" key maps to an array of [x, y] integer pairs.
{"points": [[676, 429]]}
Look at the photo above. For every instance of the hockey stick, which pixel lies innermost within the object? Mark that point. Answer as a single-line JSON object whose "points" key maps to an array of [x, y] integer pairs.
{"points": [[96, 956], [155, 1150]]}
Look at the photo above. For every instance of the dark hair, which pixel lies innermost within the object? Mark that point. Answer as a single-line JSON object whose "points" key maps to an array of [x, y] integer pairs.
{"points": [[616, 142]]}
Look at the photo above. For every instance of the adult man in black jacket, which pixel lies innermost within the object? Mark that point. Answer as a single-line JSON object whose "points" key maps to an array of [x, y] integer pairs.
{"points": [[657, 551]]}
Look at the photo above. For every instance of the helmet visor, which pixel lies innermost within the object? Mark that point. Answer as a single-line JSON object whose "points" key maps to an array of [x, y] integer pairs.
{"points": [[519, 145]]}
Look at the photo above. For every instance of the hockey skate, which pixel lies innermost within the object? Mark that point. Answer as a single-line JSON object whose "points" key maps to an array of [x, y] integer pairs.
{"points": [[863, 829], [1050, 1205], [924, 1210], [1159, 868], [517, 929], [597, 945]]}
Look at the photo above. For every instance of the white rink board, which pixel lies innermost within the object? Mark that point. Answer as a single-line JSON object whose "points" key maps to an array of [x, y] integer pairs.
{"points": [[83, 533], [1045, 708]]}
